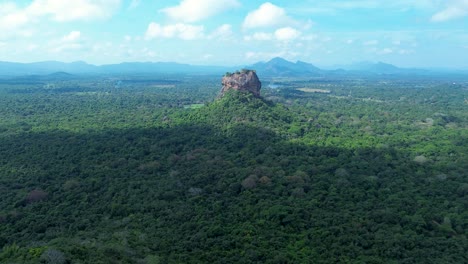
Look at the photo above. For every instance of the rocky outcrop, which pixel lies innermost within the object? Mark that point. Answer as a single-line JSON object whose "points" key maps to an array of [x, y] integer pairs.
{"points": [[245, 80]]}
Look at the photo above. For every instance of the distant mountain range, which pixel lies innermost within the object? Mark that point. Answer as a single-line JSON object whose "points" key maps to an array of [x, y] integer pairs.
{"points": [[80, 67], [276, 67], [281, 67]]}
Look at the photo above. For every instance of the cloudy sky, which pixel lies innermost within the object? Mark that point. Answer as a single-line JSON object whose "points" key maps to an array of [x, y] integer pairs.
{"points": [[408, 33]]}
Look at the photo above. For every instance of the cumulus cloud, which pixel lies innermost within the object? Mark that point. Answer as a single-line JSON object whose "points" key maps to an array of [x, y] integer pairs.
{"points": [[195, 10], [73, 10], [287, 34], [282, 34], [12, 17], [180, 30], [267, 15], [456, 9], [13, 21]]}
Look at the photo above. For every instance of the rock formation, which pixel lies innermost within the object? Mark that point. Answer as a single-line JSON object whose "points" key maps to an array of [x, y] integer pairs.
{"points": [[245, 80]]}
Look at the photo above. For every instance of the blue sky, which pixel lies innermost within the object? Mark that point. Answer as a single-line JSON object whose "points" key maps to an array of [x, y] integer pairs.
{"points": [[417, 33]]}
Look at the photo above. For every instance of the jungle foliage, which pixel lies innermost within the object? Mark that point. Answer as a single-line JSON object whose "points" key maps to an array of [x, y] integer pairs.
{"points": [[139, 170]]}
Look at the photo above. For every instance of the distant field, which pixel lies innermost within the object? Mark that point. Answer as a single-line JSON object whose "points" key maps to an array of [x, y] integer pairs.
{"points": [[313, 90]]}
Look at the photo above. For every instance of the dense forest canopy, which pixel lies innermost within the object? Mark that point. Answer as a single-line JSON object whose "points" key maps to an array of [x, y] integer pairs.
{"points": [[138, 169]]}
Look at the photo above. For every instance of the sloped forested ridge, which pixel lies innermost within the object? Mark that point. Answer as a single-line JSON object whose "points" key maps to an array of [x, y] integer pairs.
{"points": [[128, 176]]}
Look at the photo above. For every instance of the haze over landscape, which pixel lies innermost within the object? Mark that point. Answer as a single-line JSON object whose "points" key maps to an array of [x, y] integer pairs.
{"points": [[422, 33]]}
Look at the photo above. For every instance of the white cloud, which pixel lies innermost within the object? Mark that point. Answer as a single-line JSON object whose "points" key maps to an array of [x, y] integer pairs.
{"points": [[287, 34], [267, 15], [182, 31], [223, 32], [66, 47], [7, 7], [456, 9], [386, 51], [250, 55], [69, 42], [12, 17], [13, 20], [62, 11], [281, 34], [72, 36], [261, 36], [196, 10]]}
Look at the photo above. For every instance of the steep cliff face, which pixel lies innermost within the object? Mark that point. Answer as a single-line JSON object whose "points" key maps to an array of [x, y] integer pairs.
{"points": [[246, 80]]}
